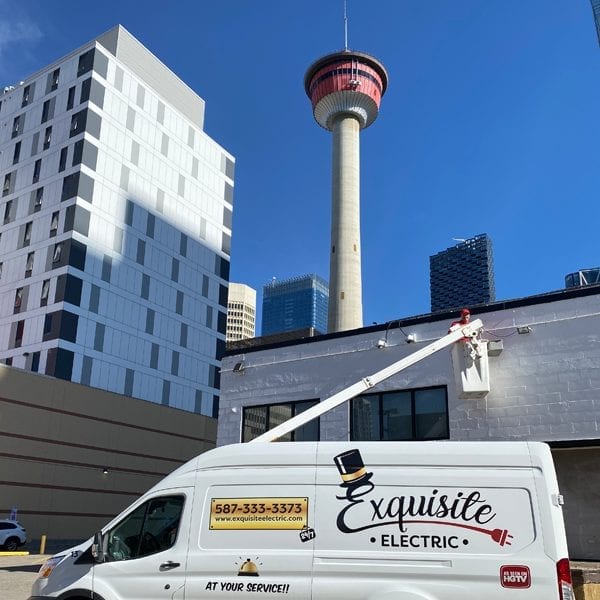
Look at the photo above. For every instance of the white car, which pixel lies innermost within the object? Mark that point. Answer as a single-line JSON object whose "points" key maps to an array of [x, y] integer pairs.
{"points": [[12, 535]]}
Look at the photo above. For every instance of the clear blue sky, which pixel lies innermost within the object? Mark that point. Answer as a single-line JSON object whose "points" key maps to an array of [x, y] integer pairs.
{"points": [[491, 123]]}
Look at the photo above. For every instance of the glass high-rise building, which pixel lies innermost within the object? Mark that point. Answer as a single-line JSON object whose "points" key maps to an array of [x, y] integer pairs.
{"points": [[116, 213], [462, 275], [583, 277], [296, 303]]}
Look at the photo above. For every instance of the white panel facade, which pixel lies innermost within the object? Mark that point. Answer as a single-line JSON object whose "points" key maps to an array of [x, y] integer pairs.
{"points": [[131, 231]]}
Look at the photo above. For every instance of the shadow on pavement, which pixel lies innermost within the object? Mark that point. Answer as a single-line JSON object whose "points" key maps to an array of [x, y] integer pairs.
{"points": [[22, 569]]}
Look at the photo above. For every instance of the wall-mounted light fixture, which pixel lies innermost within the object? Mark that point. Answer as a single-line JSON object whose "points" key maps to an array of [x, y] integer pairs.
{"points": [[239, 367], [105, 471], [524, 329]]}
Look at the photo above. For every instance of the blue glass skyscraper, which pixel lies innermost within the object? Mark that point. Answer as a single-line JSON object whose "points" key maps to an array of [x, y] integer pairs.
{"points": [[296, 303]]}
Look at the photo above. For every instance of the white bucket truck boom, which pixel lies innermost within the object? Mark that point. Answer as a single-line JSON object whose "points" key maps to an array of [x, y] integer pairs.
{"points": [[467, 333]]}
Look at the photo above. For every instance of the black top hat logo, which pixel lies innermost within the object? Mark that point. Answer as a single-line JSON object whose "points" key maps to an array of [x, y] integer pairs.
{"points": [[351, 468]]}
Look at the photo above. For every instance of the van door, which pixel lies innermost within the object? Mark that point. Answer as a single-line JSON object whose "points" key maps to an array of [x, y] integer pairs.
{"points": [[254, 539], [147, 550]]}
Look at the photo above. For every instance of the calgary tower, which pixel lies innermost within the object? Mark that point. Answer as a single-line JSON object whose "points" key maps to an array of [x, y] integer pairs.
{"points": [[345, 89]]}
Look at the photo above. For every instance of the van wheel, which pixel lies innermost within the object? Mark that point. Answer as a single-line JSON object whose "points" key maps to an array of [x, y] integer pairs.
{"points": [[11, 544]]}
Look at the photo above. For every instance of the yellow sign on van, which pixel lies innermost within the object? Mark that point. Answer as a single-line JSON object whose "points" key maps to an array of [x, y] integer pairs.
{"points": [[258, 513]]}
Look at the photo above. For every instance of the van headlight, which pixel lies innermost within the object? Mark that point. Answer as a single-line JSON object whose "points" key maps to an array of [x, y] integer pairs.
{"points": [[50, 565]]}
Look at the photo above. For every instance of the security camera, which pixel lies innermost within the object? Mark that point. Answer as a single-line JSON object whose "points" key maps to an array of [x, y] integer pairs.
{"points": [[411, 338], [381, 343]]}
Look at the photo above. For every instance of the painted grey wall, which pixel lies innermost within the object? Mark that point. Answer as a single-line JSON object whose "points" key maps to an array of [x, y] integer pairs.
{"points": [[545, 385]]}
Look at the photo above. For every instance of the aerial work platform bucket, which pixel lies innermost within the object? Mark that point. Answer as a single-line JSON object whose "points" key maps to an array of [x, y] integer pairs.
{"points": [[471, 369]]}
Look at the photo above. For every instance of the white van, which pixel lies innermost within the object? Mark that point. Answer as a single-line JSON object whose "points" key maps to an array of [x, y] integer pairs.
{"points": [[329, 520]]}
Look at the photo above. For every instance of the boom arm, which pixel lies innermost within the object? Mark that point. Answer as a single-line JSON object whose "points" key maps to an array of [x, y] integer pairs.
{"points": [[468, 331]]}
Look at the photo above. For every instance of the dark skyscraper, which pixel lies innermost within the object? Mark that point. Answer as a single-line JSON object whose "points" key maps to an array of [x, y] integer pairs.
{"points": [[296, 303], [462, 275]]}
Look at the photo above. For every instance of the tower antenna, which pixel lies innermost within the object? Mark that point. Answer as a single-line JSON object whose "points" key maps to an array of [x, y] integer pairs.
{"points": [[345, 26]]}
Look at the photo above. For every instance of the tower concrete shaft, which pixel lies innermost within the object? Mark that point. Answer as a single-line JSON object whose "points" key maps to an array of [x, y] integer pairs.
{"points": [[345, 282], [345, 90]]}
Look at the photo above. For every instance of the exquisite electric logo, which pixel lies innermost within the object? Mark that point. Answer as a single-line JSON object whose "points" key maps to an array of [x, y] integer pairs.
{"points": [[364, 510]]}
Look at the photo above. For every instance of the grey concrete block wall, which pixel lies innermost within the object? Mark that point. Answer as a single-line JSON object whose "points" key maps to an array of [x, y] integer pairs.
{"points": [[545, 384]]}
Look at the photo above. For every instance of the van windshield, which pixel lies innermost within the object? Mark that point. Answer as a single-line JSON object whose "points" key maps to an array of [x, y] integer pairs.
{"points": [[152, 527]]}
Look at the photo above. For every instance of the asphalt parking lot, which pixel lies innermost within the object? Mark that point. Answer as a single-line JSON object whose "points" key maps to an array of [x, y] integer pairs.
{"points": [[17, 573]]}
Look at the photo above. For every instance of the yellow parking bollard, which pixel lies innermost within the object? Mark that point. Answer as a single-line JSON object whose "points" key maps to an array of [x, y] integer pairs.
{"points": [[43, 544]]}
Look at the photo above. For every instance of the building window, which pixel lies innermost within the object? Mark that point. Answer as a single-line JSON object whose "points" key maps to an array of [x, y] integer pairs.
{"points": [[54, 223], [71, 98], [45, 111], [84, 95], [45, 292], [70, 186], [35, 361], [419, 414], [37, 168], [47, 137], [150, 321], [62, 163], [260, 419], [27, 233], [8, 212], [17, 153], [145, 293], [19, 333], [150, 225], [179, 303], [57, 252], [141, 252], [38, 196], [35, 140], [26, 96], [106, 268], [86, 62], [8, 184], [18, 300], [53, 79], [17, 127], [29, 264], [78, 122]]}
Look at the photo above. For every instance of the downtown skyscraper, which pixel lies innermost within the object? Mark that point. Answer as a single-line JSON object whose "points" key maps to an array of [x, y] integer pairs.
{"points": [[116, 230], [296, 303], [462, 275]]}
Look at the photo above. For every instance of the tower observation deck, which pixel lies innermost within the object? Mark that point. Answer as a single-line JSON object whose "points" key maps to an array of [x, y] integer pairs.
{"points": [[345, 89]]}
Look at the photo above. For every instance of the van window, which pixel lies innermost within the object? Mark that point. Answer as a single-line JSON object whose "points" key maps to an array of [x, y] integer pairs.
{"points": [[150, 528]]}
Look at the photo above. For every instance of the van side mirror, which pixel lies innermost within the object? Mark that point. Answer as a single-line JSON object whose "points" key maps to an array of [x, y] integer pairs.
{"points": [[98, 547]]}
